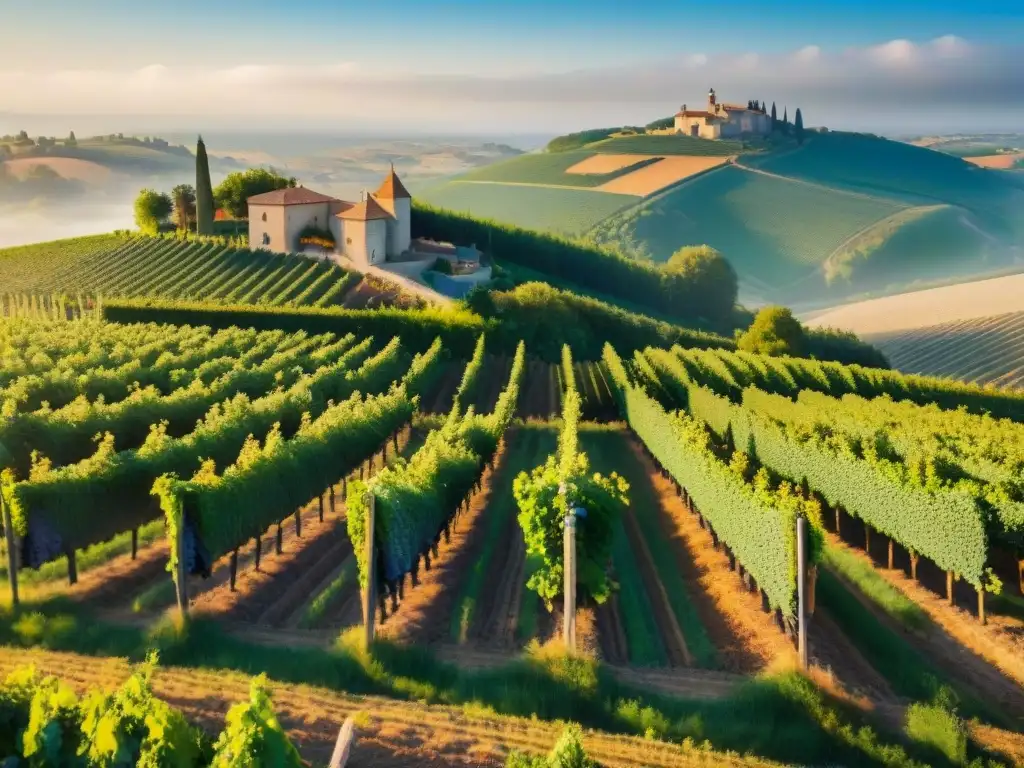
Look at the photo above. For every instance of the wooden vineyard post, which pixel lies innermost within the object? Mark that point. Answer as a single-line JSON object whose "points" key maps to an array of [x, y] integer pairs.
{"points": [[838, 531], [12, 551], [981, 604], [298, 523], [279, 541], [569, 588], [890, 554], [1020, 576], [321, 503], [913, 565], [343, 746], [371, 575], [332, 500], [234, 569], [181, 572], [257, 550], [135, 543], [812, 590], [949, 587], [801, 586], [867, 539], [72, 567]]}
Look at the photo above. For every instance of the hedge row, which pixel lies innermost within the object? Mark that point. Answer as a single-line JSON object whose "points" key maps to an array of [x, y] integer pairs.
{"points": [[947, 527], [761, 535], [418, 328]]}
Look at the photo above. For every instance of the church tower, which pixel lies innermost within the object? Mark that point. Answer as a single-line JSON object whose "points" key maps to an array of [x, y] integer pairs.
{"points": [[712, 101], [396, 200]]}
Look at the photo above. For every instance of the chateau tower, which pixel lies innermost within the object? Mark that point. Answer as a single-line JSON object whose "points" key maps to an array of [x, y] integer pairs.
{"points": [[396, 200]]}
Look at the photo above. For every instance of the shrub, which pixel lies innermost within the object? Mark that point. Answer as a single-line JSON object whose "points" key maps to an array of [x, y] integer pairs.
{"points": [[699, 278], [567, 753], [938, 727], [774, 332]]}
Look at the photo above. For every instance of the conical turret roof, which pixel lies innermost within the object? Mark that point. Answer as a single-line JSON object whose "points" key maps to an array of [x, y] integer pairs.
{"points": [[392, 187]]}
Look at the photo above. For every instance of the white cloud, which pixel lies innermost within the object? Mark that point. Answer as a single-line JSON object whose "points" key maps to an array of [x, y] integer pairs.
{"points": [[807, 54], [950, 46], [893, 52]]}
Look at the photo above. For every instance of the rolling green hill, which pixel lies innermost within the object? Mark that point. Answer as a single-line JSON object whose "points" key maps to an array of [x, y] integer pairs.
{"points": [[776, 232], [548, 168], [878, 166], [550, 209], [667, 145]]}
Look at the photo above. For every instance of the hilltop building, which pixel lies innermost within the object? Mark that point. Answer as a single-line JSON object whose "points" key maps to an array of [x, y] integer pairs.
{"points": [[369, 232], [723, 120]]}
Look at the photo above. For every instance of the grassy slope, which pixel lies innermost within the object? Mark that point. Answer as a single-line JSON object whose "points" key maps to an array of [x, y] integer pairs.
{"points": [[775, 232], [564, 211], [876, 165], [666, 145], [546, 168]]}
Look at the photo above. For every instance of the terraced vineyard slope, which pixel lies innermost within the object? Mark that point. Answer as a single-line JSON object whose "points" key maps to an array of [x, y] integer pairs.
{"points": [[984, 350], [112, 265]]}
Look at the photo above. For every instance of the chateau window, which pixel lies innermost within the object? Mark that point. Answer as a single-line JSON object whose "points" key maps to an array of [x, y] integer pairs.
{"points": [[348, 241], [266, 237], [264, 217]]}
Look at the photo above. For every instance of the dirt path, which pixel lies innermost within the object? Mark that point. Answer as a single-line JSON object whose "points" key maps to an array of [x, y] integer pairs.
{"points": [[391, 733], [1000, 642], [746, 638], [256, 594], [677, 653], [425, 615], [961, 664], [113, 582]]}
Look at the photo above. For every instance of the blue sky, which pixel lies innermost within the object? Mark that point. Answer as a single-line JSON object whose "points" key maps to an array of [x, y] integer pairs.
{"points": [[115, 54]]}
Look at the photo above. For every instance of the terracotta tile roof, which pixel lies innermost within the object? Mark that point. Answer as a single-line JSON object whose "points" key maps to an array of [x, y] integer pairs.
{"points": [[290, 196], [392, 188], [367, 210], [693, 113], [340, 206]]}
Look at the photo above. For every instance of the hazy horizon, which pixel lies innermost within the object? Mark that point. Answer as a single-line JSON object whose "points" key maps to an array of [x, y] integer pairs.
{"points": [[528, 67]]}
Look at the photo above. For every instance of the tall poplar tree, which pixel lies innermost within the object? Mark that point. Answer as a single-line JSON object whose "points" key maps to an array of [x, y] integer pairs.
{"points": [[204, 191], [785, 120], [775, 119], [798, 126]]}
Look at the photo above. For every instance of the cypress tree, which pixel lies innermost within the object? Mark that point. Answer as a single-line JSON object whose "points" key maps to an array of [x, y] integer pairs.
{"points": [[204, 191], [775, 119], [785, 120], [798, 123]]}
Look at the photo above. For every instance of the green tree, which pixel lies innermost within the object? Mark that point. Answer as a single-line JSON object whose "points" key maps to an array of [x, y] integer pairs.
{"points": [[234, 192], [785, 120], [184, 198], [774, 332], [798, 126], [701, 280], [775, 119], [204, 191], [71, 140], [151, 210]]}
